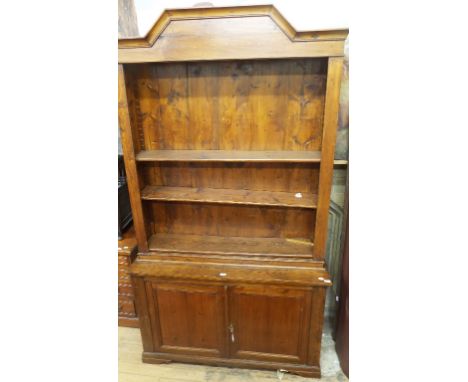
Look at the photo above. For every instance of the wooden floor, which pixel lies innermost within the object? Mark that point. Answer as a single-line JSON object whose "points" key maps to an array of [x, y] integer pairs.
{"points": [[131, 369]]}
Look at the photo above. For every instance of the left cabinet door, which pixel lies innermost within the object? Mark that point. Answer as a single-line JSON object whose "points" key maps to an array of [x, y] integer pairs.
{"points": [[188, 318]]}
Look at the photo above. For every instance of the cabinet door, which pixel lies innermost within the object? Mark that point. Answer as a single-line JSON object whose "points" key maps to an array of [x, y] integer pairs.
{"points": [[188, 318], [269, 323]]}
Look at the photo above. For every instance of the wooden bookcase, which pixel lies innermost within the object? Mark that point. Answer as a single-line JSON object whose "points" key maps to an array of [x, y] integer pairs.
{"points": [[228, 123]]}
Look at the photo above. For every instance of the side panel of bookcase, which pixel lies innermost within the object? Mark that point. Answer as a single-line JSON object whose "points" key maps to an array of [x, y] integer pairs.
{"points": [[330, 120], [130, 165]]}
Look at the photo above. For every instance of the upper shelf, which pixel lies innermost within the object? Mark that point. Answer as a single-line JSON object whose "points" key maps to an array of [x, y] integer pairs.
{"points": [[228, 156]]}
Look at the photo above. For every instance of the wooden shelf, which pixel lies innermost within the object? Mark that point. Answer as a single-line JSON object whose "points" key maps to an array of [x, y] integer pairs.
{"points": [[297, 247], [229, 196], [228, 156]]}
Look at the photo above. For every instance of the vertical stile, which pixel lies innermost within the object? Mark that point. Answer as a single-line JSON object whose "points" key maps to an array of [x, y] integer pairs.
{"points": [[130, 165], [330, 121]]}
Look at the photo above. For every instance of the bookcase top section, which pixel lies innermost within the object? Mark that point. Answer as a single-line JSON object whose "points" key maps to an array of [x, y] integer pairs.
{"points": [[228, 33]]}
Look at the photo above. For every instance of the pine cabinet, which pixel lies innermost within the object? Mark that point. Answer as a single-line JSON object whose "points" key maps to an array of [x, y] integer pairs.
{"points": [[228, 124], [234, 323]]}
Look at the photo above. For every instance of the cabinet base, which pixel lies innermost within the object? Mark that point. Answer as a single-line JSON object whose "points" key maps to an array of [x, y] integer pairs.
{"points": [[302, 370]]}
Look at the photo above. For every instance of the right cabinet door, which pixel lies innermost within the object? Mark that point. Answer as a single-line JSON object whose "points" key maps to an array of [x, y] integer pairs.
{"points": [[269, 323]]}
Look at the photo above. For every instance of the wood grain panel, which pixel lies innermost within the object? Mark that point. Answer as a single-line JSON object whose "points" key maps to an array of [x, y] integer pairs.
{"points": [[190, 318], [173, 106], [206, 39], [305, 104], [252, 105], [267, 323], [267, 128], [233, 82], [286, 177], [237, 221], [202, 98]]}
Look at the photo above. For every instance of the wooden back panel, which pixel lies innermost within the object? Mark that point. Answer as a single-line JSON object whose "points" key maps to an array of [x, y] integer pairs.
{"points": [[237, 105], [233, 221], [287, 177]]}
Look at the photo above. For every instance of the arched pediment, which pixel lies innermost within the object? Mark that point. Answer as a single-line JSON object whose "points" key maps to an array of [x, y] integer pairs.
{"points": [[247, 32]]}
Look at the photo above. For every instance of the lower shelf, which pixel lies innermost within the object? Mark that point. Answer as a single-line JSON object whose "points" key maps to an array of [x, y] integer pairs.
{"points": [[297, 247]]}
